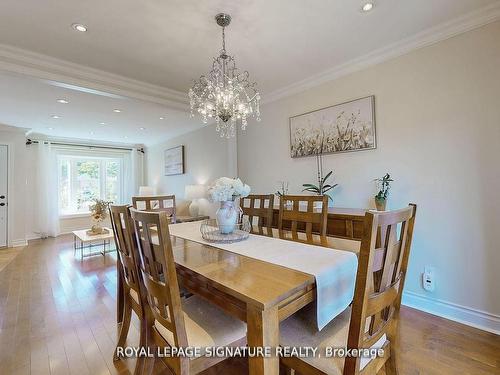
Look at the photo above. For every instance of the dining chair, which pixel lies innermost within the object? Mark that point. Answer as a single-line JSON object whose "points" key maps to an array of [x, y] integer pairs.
{"points": [[156, 203], [170, 321], [302, 213], [260, 207], [372, 321], [121, 223]]}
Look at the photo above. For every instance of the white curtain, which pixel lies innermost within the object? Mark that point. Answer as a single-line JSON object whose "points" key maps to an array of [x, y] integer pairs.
{"points": [[133, 174], [47, 198]]}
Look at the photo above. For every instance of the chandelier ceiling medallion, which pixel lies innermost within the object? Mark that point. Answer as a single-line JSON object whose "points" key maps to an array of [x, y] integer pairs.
{"points": [[225, 94]]}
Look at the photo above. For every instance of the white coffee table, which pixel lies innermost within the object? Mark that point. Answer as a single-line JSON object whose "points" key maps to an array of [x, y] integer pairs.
{"points": [[82, 240]]}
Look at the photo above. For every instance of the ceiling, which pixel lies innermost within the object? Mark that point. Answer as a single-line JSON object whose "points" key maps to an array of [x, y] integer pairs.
{"points": [[30, 103], [168, 43]]}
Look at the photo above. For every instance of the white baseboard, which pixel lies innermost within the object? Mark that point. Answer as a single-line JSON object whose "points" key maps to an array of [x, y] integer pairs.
{"points": [[18, 243], [466, 315]]}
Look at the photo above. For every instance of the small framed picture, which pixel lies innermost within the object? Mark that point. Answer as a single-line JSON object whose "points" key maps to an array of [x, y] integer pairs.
{"points": [[174, 161]]}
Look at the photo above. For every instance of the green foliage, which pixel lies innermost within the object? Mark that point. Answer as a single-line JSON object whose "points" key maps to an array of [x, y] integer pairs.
{"points": [[322, 188], [89, 168], [384, 185], [112, 169]]}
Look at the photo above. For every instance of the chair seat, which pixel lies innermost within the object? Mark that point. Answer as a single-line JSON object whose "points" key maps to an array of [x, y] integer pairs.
{"points": [[300, 329], [206, 325]]}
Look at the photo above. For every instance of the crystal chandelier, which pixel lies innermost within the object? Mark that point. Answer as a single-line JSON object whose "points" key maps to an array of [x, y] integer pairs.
{"points": [[225, 94]]}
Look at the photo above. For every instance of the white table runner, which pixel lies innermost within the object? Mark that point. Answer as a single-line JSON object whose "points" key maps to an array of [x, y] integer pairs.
{"points": [[334, 270]]}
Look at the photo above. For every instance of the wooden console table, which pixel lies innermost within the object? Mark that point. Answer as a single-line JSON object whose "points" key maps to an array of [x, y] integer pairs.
{"points": [[342, 222]]}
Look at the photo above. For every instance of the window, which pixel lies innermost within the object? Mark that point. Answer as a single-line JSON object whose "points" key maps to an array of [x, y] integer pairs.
{"points": [[83, 179]]}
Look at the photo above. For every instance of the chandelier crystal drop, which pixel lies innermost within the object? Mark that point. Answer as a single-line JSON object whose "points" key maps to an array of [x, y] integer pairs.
{"points": [[225, 94]]}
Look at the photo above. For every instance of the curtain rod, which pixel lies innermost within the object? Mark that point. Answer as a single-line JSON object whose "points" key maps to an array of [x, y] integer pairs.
{"points": [[30, 142]]}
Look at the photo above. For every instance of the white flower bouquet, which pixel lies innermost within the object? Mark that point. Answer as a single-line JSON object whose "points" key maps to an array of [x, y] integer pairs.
{"points": [[227, 189]]}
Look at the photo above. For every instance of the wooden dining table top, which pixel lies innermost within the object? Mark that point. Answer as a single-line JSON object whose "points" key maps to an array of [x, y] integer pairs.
{"points": [[250, 280]]}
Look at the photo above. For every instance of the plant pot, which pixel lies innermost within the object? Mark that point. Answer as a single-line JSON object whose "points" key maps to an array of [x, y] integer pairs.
{"points": [[227, 217], [380, 204]]}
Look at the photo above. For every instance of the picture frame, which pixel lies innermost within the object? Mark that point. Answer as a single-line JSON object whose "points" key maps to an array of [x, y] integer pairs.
{"points": [[174, 161], [344, 127]]}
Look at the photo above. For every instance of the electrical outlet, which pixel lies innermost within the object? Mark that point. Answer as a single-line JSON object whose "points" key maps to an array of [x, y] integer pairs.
{"points": [[429, 279]]}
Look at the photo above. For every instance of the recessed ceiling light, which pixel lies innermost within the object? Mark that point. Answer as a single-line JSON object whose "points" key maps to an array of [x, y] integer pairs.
{"points": [[79, 27], [55, 116], [50, 128], [102, 123], [367, 7], [62, 101], [162, 118], [117, 110], [142, 128]]}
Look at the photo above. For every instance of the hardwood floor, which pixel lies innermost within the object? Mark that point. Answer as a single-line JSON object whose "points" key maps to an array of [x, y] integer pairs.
{"points": [[57, 316], [7, 255]]}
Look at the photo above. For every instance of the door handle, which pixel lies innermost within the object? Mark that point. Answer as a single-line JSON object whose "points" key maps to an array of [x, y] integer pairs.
{"points": [[2, 204], [2, 196]]}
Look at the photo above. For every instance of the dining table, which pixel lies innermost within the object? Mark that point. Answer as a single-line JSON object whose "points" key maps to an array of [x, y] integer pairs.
{"points": [[258, 292]]}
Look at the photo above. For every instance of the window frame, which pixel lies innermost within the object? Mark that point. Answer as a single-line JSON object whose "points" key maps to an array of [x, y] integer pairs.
{"points": [[72, 176]]}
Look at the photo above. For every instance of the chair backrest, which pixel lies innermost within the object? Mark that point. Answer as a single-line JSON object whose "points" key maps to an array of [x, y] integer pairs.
{"points": [[261, 207], [292, 210], [382, 265], [158, 271], [123, 231], [155, 203]]}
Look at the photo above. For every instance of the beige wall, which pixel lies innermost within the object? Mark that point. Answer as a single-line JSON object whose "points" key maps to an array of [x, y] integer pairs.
{"points": [[207, 156], [438, 134]]}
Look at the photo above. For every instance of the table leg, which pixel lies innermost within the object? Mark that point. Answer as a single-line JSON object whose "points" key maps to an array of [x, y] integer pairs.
{"points": [[263, 331]]}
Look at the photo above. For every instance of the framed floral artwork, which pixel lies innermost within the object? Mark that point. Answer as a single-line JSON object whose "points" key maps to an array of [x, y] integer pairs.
{"points": [[344, 127]]}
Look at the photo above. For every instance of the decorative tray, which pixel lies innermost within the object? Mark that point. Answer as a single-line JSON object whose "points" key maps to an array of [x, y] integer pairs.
{"points": [[211, 232]]}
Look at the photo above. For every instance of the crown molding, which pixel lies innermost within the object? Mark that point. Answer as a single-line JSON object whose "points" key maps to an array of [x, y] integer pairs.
{"points": [[18, 61], [470, 21]]}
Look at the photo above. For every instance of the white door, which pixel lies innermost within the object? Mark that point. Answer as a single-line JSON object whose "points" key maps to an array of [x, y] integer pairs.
{"points": [[3, 195]]}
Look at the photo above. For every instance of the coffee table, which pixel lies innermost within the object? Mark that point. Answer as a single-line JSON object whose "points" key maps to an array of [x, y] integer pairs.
{"points": [[82, 240]]}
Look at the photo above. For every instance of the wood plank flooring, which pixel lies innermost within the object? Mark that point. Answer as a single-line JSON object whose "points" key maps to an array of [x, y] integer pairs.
{"points": [[7, 255], [57, 316]]}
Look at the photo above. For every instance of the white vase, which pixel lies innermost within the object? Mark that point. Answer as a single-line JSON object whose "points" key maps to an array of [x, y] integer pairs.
{"points": [[227, 217]]}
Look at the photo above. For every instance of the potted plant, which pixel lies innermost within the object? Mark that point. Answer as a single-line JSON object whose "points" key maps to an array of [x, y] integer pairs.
{"points": [[98, 213], [322, 187], [225, 190], [383, 186]]}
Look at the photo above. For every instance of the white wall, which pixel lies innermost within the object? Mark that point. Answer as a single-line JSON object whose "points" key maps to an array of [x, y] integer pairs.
{"points": [[438, 134], [207, 156], [15, 139]]}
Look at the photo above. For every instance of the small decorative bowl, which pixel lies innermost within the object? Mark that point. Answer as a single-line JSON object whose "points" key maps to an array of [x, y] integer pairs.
{"points": [[210, 231]]}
